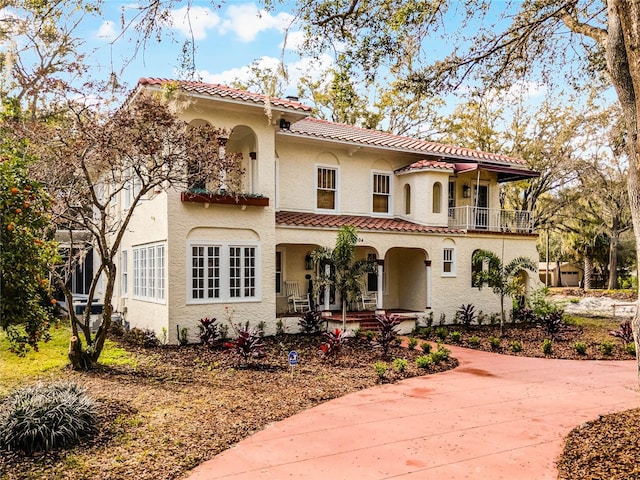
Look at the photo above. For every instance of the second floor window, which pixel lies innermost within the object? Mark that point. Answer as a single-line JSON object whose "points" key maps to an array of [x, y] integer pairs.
{"points": [[381, 193], [326, 190]]}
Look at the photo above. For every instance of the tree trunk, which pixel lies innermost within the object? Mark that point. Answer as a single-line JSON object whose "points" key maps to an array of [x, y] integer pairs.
{"points": [[559, 269], [622, 50], [613, 260], [80, 360], [588, 272]]}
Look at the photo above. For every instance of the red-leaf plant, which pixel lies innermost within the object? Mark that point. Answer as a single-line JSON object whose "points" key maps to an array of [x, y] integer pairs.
{"points": [[624, 333], [247, 345], [333, 343]]}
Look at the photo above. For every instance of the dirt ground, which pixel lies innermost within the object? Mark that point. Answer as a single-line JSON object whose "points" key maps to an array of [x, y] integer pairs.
{"points": [[182, 405]]}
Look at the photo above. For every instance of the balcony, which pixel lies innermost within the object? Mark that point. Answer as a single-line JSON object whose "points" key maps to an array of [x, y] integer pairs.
{"points": [[491, 220]]}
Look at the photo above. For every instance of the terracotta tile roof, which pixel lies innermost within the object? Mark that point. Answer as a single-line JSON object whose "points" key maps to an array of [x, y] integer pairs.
{"points": [[427, 164], [317, 220], [227, 92], [313, 127]]}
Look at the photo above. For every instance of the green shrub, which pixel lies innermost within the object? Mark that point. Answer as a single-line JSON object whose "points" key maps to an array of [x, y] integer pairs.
{"points": [[45, 417], [455, 336], [381, 369], [311, 322], [440, 355], [426, 348], [580, 347], [142, 338], [630, 348], [474, 341], [441, 333], [606, 347], [494, 342], [369, 335], [515, 346], [413, 343], [547, 346], [424, 361], [400, 365]]}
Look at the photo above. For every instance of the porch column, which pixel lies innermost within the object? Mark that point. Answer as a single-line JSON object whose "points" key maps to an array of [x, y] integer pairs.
{"points": [[380, 268], [427, 264], [327, 292]]}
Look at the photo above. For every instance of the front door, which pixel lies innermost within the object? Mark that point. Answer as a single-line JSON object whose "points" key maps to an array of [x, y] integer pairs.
{"points": [[481, 198]]}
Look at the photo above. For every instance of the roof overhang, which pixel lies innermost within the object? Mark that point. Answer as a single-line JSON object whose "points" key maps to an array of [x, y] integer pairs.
{"points": [[505, 174]]}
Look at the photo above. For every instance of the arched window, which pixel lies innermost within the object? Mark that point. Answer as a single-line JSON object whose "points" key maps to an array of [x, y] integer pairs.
{"points": [[407, 199], [476, 267], [437, 195]]}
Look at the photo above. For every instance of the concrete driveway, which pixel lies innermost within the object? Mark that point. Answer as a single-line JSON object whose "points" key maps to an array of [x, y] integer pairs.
{"points": [[494, 417]]}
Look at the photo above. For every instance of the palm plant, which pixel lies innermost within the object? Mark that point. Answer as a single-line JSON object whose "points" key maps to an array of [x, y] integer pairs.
{"points": [[346, 272], [502, 279]]}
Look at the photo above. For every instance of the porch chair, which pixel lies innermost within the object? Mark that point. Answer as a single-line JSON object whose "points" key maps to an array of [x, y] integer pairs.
{"points": [[297, 302], [369, 300]]}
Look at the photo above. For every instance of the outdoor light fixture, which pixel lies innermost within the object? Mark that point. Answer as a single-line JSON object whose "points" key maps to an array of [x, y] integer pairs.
{"points": [[308, 264], [466, 191]]}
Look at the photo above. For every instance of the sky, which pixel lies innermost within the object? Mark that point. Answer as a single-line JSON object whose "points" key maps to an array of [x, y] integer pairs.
{"points": [[227, 39]]}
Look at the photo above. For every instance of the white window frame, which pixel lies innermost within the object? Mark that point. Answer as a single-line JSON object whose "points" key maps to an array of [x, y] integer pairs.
{"points": [[281, 293], [336, 190], [124, 274], [149, 278], [449, 256], [225, 284], [372, 187]]}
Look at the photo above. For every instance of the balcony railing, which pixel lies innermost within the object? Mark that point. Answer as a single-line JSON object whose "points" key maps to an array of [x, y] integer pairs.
{"points": [[491, 219]]}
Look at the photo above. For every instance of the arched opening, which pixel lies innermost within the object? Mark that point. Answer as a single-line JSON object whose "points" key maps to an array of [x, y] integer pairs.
{"points": [[476, 268], [437, 196], [243, 143]]}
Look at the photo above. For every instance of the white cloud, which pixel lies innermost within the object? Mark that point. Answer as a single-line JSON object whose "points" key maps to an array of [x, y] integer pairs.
{"points": [[294, 40], [107, 30], [246, 21], [242, 74], [194, 21], [529, 90], [314, 68]]}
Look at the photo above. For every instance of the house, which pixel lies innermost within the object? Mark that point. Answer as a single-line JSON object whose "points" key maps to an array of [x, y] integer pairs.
{"points": [[421, 209], [569, 275]]}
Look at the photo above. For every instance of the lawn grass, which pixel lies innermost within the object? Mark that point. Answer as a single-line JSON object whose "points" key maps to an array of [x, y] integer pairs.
{"points": [[50, 360]]}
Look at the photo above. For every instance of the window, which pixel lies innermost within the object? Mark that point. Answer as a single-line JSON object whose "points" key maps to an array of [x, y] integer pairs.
{"points": [[242, 272], [381, 193], [205, 272], [477, 266], [124, 274], [448, 262], [437, 195], [223, 272], [407, 199], [327, 188], [148, 273], [452, 197], [278, 272]]}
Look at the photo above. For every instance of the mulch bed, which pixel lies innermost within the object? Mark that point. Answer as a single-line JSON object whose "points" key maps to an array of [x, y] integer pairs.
{"points": [[182, 405]]}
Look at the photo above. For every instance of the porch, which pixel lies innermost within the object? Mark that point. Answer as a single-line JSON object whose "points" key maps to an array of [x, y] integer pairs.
{"points": [[491, 219], [363, 320]]}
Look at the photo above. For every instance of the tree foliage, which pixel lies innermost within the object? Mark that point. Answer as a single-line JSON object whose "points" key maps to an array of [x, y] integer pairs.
{"points": [[99, 168], [503, 279], [27, 252], [346, 272]]}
